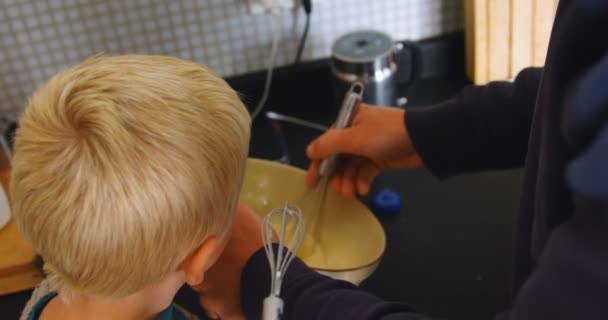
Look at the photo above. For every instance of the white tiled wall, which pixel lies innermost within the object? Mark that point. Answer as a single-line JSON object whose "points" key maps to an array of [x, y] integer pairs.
{"points": [[40, 37]]}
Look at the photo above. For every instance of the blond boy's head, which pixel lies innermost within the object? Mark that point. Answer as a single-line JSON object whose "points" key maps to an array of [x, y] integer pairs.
{"points": [[123, 166]]}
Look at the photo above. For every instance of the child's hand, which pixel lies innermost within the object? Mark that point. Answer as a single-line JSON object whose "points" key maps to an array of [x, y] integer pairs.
{"points": [[221, 289]]}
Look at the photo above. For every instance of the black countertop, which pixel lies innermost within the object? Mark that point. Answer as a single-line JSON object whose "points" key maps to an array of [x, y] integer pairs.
{"points": [[448, 251]]}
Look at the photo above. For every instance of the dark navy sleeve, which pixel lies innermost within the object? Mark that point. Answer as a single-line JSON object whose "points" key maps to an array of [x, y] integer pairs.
{"points": [[309, 295], [482, 128], [570, 280]]}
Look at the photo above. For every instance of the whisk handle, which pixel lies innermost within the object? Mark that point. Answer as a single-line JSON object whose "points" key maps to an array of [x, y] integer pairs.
{"points": [[273, 308], [347, 112]]}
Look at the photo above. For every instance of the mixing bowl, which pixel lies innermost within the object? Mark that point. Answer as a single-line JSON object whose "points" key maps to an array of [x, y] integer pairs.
{"points": [[351, 241]]}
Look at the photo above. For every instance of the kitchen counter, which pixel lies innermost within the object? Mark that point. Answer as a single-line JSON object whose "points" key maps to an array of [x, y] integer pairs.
{"points": [[448, 250]]}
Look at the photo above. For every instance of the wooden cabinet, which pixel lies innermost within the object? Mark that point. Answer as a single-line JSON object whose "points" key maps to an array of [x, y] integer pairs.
{"points": [[505, 36], [18, 269]]}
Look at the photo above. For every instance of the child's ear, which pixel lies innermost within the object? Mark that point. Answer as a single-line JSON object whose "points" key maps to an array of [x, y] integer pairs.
{"points": [[200, 261]]}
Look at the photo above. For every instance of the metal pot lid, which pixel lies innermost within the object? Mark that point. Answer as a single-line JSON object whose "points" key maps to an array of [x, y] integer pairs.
{"points": [[362, 46]]}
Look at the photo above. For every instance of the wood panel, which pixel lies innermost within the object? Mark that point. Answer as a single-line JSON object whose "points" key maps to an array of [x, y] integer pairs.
{"points": [[476, 36], [544, 13], [521, 35], [17, 257], [499, 39], [504, 36]]}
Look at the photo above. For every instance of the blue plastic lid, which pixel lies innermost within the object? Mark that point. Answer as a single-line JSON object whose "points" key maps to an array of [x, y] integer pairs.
{"points": [[386, 202]]}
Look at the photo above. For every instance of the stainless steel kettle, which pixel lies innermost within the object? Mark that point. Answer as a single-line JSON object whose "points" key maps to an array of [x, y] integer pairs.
{"points": [[368, 57]]}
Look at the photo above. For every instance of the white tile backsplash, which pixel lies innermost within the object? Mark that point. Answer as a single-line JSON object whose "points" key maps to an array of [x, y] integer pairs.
{"points": [[40, 37]]}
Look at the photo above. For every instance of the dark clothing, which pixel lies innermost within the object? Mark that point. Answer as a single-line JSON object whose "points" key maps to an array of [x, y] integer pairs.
{"points": [[553, 121]]}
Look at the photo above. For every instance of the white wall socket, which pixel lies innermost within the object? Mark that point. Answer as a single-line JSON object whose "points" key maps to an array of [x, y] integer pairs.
{"points": [[266, 6]]}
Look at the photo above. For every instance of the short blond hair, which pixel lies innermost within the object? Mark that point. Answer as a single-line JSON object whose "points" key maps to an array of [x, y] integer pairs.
{"points": [[123, 166]]}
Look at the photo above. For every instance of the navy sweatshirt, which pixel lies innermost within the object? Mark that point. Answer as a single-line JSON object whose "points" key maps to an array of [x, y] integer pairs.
{"points": [[553, 121]]}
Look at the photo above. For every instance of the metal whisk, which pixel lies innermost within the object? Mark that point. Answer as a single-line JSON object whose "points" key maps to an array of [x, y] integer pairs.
{"points": [[288, 223], [313, 200]]}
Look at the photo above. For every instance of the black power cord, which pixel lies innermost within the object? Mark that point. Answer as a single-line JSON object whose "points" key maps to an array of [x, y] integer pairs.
{"points": [[307, 4]]}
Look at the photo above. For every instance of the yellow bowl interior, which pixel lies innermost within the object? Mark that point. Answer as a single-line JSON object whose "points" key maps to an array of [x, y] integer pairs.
{"points": [[349, 235]]}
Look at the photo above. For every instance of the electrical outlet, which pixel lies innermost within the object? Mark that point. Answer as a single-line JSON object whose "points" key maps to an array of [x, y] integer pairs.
{"points": [[265, 6]]}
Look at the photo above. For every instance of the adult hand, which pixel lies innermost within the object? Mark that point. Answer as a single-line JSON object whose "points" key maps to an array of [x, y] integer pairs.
{"points": [[376, 140], [220, 292]]}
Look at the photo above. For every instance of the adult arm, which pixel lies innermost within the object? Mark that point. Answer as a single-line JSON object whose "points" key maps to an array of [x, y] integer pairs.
{"points": [[482, 128]]}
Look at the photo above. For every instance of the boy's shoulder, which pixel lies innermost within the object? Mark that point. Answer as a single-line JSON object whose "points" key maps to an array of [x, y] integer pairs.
{"points": [[43, 293], [42, 290]]}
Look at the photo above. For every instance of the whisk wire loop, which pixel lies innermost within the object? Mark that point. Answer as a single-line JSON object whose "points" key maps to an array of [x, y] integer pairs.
{"points": [[290, 224]]}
